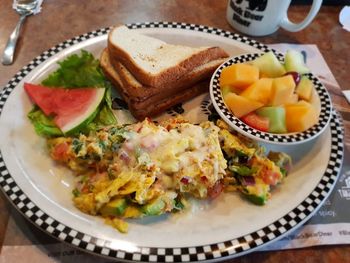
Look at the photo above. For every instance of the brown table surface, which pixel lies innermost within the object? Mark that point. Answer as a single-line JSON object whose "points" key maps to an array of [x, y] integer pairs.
{"points": [[64, 19]]}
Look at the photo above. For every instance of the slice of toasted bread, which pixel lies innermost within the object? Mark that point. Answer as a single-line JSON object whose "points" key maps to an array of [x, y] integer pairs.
{"points": [[108, 69], [138, 92], [154, 109], [155, 102], [153, 62]]}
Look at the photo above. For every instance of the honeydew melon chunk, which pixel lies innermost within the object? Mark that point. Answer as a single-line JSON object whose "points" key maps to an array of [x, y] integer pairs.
{"points": [[300, 116], [269, 65], [294, 61], [239, 75], [228, 89], [282, 90], [276, 116], [225, 90], [240, 105], [304, 88], [259, 91]]}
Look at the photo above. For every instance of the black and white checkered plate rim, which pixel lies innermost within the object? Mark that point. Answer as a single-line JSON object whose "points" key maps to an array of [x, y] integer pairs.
{"points": [[237, 124], [222, 250]]}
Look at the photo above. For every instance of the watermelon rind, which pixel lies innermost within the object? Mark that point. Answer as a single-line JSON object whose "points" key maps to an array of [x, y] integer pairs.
{"points": [[87, 116]]}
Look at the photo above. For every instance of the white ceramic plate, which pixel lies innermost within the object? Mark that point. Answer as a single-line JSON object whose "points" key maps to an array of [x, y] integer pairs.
{"points": [[324, 104], [227, 227]]}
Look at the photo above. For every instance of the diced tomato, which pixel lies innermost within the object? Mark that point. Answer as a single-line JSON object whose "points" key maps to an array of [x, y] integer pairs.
{"points": [[271, 177], [98, 176], [85, 189], [257, 122], [204, 179], [60, 152], [216, 190]]}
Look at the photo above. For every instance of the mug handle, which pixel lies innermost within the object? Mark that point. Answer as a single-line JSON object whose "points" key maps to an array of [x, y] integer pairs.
{"points": [[293, 27]]}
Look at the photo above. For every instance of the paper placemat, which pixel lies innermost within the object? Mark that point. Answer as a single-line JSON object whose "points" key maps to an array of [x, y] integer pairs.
{"points": [[330, 225]]}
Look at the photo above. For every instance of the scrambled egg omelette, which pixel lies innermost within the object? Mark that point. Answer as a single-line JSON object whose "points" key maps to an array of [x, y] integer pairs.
{"points": [[146, 169]]}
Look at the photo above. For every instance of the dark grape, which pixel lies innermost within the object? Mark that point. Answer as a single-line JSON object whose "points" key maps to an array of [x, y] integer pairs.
{"points": [[296, 76]]}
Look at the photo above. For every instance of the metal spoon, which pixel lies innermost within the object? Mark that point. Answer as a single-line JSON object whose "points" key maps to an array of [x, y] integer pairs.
{"points": [[24, 8]]}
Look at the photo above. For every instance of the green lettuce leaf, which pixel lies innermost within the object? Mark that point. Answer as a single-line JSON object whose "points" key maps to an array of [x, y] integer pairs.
{"points": [[106, 117], [76, 71], [43, 125]]}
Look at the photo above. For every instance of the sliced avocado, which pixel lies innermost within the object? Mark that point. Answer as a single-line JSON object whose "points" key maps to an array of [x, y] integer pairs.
{"points": [[255, 194], [118, 224], [179, 204], [154, 208], [242, 170], [282, 160], [243, 158], [115, 207], [258, 200]]}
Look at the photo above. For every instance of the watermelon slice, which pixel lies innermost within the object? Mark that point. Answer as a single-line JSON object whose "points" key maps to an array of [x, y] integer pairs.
{"points": [[69, 108]]}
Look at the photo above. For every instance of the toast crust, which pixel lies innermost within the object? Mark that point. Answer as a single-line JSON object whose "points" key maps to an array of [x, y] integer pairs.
{"points": [[154, 109], [108, 69], [150, 105], [152, 75], [169, 74], [139, 93]]}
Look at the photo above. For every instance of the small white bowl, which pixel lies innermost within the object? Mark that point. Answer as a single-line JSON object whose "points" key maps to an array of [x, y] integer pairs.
{"points": [[274, 138]]}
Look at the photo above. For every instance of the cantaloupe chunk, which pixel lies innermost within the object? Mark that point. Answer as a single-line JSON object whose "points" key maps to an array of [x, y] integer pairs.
{"points": [[239, 75], [260, 90], [282, 90], [304, 88], [300, 116], [241, 106], [293, 99], [315, 101]]}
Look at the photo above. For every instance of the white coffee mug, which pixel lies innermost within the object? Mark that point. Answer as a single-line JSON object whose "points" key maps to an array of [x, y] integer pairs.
{"points": [[264, 17]]}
